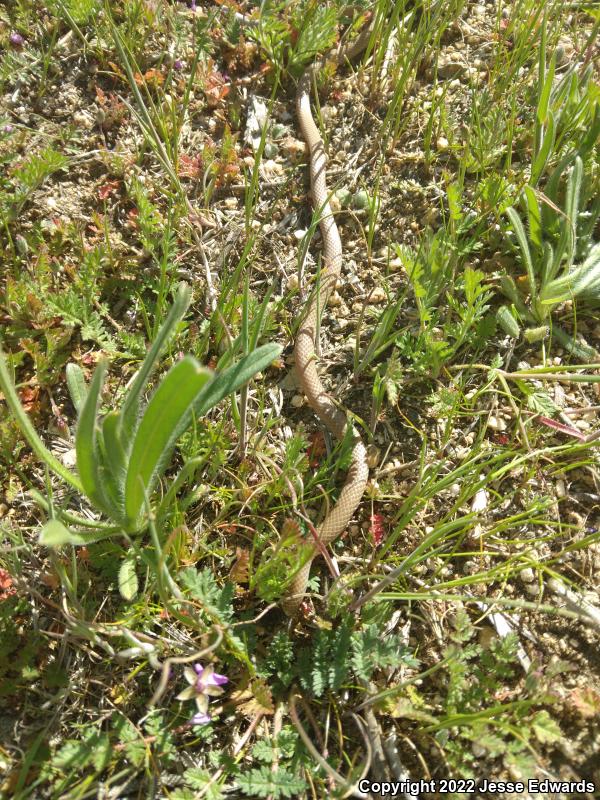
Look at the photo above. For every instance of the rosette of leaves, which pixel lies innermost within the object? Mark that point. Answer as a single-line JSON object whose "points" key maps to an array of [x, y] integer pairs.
{"points": [[555, 245], [121, 455]]}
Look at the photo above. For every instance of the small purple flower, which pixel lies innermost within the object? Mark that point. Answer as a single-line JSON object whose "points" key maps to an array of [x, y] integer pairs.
{"points": [[7, 129], [178, 65], [16, 40], [204, 683], [200, 719]]}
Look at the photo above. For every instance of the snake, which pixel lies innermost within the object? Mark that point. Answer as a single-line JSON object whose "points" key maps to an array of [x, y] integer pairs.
{"points": [[305, 356]]}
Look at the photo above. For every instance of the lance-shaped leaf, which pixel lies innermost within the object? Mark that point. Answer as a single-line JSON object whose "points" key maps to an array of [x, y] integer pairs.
{"points": [[582, 280], [534, 218], [76, 385], [544, 98], [113, 468], [128, 579], [54, 534], [130, 410], [525, 251], [86, 446], [235, 376], [39, 448], [539, 165], [164, 420]]}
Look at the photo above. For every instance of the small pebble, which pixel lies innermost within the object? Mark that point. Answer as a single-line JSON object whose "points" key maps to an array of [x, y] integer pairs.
{"points": [[527, 575], [496, 423], [297, 400], [378, 295], [69, 459]]}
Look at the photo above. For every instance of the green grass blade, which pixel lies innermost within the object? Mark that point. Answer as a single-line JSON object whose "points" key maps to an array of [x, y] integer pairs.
{"points": [[164, 420]]}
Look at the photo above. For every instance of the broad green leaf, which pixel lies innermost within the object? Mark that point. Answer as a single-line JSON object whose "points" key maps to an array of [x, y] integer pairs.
{"points": [[509, 288], [541, 159], [231, 379], [128, 580], [536, 334], [76, 385], [86, 444], [507, 322], [524, 245], [584, 279], [578, 348], [54, 534], [572, 208], [114, 451], [547, 264], [130, 410], [164, 420], [534, 217], [543, 102]]}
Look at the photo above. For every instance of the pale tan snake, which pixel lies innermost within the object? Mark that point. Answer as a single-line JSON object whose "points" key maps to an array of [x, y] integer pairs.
{"points": [[305, 357]]}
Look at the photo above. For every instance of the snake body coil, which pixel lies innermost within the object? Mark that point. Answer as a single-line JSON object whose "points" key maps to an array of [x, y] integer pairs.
{"points": [[305, 356]]}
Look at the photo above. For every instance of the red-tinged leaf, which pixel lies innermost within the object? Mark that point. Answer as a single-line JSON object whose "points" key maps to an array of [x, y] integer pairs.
{"points": [[190, 166], [559, 426], [29, 398], [586, 700], [6, 585], [289, 529], [152, 77], [239, 571], [316, 449], [132, 219], [108, 188], [377, 529]]}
